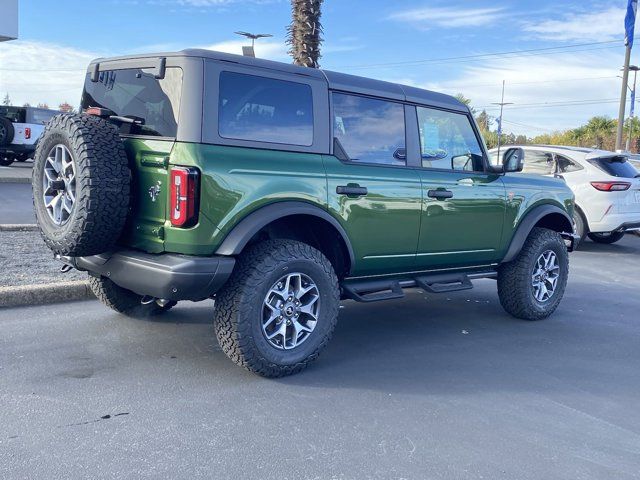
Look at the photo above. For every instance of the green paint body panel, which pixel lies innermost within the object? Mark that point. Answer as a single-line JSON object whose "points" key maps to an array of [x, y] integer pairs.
{"points": [[395, 228]]}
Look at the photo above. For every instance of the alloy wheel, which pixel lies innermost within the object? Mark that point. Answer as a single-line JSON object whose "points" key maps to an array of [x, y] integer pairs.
{"points": [[290, 311], [546, 273], [59, 184]]}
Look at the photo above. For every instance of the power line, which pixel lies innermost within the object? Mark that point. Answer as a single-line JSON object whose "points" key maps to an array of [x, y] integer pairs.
{"points": [[485, 55]]}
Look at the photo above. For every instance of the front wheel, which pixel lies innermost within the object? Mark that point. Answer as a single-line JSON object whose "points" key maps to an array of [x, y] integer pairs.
{"points": [[279, 308], [531, 286], [606, 238]]}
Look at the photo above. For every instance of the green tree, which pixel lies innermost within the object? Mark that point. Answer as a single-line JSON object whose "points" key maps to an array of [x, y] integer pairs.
{"points": [[305, 32], [599, 129], [7, 100], [467, 101]]}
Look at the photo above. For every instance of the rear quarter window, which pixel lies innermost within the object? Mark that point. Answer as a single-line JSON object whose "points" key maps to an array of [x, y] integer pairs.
{"points": [[136, 92], [263, 109], [616, 167]]}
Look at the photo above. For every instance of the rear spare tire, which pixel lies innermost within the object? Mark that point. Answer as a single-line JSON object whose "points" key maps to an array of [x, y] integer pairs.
{"points": [[80, 183], [6, 131]]}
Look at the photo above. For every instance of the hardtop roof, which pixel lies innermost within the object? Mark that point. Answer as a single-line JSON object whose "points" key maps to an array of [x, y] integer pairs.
{"points": [[335, 80]]}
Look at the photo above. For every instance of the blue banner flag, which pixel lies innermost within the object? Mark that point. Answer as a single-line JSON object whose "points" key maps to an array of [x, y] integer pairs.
{"points": [[630, 22]]}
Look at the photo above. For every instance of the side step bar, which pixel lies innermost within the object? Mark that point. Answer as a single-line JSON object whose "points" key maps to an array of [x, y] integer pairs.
{"points": [[388, 289]]}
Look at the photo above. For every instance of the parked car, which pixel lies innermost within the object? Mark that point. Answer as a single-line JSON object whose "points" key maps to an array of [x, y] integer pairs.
{"points": [[279, 190], [20, 129], [606, 186]]}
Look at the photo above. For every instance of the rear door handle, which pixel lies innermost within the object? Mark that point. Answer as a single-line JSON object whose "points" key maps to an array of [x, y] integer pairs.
{"points": [[440, 194], [351, 190]]}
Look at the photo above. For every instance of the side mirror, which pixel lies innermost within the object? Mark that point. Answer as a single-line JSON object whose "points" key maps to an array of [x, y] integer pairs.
{"points": [[513, 160]]}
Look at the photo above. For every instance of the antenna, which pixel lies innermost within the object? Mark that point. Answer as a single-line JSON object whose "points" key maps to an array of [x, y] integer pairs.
{"points": [[250, 51]]}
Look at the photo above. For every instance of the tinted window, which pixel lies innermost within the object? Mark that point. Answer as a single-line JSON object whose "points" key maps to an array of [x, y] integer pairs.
{"points": [[40, 116], [616, 166], [565, 165], [136, 92], [265, 110], [448, 141], [369, 130], [538, 162]]}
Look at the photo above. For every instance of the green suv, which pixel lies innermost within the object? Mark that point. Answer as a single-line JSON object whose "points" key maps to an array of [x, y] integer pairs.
{"points": [[278, 191]]}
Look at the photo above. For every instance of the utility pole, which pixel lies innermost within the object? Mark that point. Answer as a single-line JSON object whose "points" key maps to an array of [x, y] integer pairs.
{"points": [[629, 29], [502, 104], [623, 98], [634, 69]]}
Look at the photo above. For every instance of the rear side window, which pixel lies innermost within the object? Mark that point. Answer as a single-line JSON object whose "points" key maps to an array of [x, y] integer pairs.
{"points": [[136, 92], [264, 109], [538, 162], [370, 130], [615, 166], [565, 165], [448, 141]]}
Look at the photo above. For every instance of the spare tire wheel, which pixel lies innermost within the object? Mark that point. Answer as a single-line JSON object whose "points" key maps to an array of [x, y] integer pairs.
{"points": [[81, 182], [6, 131]]}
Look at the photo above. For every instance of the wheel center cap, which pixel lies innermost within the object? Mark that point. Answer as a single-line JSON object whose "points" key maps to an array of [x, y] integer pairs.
{"points": [[289, 310]]}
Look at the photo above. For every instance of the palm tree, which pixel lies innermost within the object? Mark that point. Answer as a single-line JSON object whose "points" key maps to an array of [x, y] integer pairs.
{"points": [[578, 135], [599, 128], [305, 32]]}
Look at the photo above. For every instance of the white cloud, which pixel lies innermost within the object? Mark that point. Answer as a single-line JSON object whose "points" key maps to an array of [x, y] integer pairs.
{"points": [[598, 26], [544, 81], [268, 49], [37, 72], [449, 17]]}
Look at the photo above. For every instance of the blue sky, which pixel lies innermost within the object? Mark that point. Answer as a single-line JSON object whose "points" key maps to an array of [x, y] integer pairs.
{"points": [[407, 41]]}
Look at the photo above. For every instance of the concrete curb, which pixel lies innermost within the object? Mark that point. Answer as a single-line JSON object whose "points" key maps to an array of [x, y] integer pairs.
{"points": [[14, 180], [18, 227], [41, 294]]}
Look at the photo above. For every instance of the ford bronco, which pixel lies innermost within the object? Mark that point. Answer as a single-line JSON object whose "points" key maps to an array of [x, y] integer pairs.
{"points": [[279, 190]]}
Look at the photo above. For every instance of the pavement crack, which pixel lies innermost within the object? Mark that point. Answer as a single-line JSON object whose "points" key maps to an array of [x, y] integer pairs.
{"points": [[89, 422]]}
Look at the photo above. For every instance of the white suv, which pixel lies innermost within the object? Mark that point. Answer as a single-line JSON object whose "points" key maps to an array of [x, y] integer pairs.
{"points": [[606, 186], [20, 129]]}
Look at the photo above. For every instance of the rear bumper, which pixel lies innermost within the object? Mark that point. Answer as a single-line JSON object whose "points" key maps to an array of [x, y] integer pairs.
{"points": [[17, 149], [166, 276], [616, 223]]}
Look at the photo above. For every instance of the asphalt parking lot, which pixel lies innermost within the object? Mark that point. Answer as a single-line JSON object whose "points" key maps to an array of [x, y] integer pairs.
{"points": [[439, 387]]}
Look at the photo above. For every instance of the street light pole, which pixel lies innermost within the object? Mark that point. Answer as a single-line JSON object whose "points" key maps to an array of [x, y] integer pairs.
{"points": [[502, 104]]}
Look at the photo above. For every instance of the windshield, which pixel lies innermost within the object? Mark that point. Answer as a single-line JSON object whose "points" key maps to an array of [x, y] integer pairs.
{"points": [[615, 166], [136, 92]]}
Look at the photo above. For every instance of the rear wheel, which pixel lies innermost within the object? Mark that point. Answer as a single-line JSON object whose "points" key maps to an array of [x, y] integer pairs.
{"points": [[607, 238], [6, 159], [531, 286], [125, 301], [279, 308], [581, 226]]}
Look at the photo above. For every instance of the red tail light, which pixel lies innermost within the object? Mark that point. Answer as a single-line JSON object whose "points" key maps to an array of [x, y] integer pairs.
{"points": [[184, 196], [27, 133], [611, 186]]}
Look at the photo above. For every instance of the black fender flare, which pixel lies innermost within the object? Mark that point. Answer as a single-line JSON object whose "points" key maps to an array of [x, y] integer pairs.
{"points": [[527, 224], [239, 236]]}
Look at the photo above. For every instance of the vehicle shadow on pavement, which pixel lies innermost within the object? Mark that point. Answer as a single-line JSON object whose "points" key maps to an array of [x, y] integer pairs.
{"points": [[592, 247]]}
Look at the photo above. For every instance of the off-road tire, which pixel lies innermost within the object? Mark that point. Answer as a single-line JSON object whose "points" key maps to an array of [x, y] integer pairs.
{"points": [[606, 238], [581, 226], [124, 301], [102, 185], [238, 307], [6, 131], [515, 278]]}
